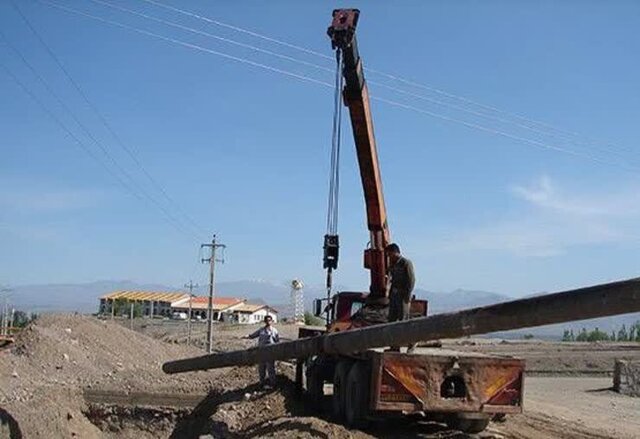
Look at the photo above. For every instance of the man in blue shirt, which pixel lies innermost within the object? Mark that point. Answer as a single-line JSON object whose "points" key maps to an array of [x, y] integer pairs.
{"points": [[266, 335]]}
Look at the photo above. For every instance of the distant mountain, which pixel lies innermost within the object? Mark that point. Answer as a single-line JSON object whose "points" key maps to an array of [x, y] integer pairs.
{"points": [[461, 299], [72, 297], [458, 299], [606, 324], [84, 298]]}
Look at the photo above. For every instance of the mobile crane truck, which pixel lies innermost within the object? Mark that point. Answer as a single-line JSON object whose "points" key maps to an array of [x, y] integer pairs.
{"points": [[465, 390]]}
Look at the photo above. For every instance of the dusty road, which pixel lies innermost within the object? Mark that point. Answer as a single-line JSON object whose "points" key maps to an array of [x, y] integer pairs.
{"points": [[579, 407], [76, 376]]}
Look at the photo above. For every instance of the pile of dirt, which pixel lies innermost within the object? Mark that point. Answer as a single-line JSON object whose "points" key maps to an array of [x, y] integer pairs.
{"points": [[243, 410], [57, 356]]}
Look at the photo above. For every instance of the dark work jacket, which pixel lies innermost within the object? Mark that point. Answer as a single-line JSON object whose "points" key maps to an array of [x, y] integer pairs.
{"points": [[402, 279]]}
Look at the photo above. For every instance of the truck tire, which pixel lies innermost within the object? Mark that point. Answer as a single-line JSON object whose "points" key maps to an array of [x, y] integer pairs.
{"points": [[339, 389], [468, 422], [357, 396], [315, 388]]}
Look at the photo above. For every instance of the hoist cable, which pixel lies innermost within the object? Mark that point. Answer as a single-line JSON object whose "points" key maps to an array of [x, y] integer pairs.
{"points": [[339, 144], [334, 178]]}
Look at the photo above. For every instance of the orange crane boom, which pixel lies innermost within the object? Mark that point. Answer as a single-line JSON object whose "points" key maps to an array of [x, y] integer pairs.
{"points": [[356, 98]]}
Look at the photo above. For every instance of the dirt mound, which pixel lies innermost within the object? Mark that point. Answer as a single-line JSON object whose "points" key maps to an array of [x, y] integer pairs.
{"points": [[58, 355], [246, 411]]}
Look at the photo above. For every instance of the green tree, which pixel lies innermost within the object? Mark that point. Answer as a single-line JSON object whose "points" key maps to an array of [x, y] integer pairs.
{"points": [[583, 336], [597, 335], [623, 335], [20, 319], [311, 320], [122, 307], [567, 335], [636, 327]]}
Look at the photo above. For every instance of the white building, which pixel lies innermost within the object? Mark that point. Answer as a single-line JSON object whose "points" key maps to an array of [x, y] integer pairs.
{"points": [[249, 313], [200, 306]]}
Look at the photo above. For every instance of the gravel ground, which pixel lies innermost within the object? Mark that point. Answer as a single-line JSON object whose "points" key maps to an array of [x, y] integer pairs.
{"points": [[45, 374]]}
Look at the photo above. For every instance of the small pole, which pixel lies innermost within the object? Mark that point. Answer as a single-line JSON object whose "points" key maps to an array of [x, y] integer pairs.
{"points": [[131, 315], [191, 286]]}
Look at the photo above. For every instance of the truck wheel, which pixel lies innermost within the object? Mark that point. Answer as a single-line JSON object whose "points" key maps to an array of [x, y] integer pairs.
{"points": [[468, 422], [357, 396], [315, 388], [339, 389]]}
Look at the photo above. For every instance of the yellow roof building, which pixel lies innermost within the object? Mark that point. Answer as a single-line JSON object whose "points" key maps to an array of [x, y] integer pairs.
{"points": [[151, 296]]}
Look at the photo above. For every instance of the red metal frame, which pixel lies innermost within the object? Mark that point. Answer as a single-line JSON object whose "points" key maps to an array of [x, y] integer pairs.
{"points": [[417, 380]]}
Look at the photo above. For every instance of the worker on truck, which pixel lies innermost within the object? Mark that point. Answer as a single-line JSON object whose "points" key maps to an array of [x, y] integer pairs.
{"points": [[266, 335], [401, 283]]}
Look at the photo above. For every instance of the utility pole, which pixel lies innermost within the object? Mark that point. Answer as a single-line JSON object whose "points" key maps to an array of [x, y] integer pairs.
{"points": [[212, 268], [191, 286]]}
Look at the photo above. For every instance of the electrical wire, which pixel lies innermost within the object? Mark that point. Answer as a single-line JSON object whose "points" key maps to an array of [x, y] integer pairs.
{"points": [[126, 184], [491, 109], [129, 150], [564, 132], [214, 36], [185, 44], [239, 29], [539, 144], [536, 143], [323, 68]]}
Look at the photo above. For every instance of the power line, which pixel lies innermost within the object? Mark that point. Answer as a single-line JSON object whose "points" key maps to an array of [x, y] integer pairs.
{"points": [[319, 67], [239, 29], [189, 45], [88, 150], [507, 135], [58, 122], [536, 143], [132, 154], [214, 36], [563, 132]]}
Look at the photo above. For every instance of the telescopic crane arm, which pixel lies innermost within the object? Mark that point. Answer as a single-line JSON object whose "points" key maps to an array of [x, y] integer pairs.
{"points": [[356, 98]]}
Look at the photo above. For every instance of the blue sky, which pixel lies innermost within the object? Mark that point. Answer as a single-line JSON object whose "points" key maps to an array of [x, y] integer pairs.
{"points": [[245, 151]]}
